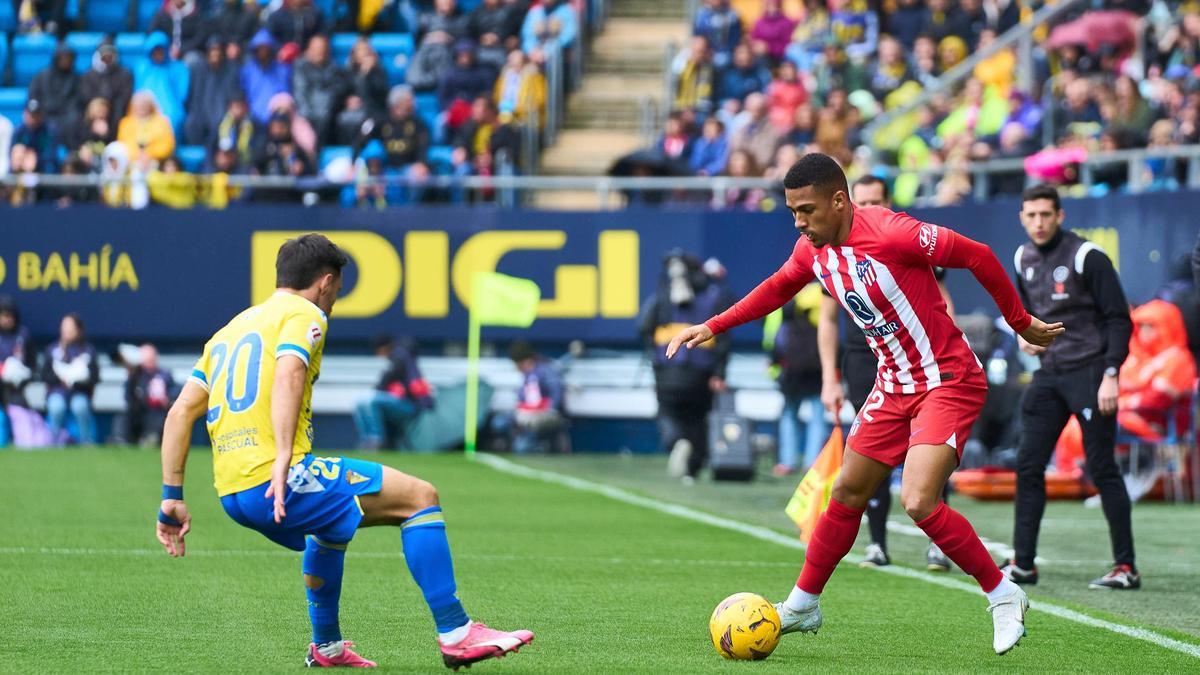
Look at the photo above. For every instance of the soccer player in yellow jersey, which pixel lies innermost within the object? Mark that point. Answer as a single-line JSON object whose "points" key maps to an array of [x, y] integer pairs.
{"points": [[253, 385]]}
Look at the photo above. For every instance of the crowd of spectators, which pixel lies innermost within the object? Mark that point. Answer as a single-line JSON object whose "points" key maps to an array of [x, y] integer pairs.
{"points": [[781, 79], [256, 87]]}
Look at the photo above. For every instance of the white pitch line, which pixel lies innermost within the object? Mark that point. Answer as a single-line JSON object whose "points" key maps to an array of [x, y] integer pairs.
{"points": [[1000, 549], [765, 534]]}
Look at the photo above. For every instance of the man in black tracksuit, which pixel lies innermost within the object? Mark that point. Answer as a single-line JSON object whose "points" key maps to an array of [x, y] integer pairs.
{"points": [[1064, 278]]}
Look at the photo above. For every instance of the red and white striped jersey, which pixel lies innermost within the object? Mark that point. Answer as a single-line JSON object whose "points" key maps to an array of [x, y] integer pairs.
{"points": [[883, 276]]}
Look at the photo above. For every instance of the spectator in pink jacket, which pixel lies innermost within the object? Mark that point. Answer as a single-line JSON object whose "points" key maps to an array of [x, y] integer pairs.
{"points": [[772, 32], [784, 95]]}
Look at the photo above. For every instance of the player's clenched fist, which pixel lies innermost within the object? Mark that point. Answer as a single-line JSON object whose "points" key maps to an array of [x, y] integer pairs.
{"points": [[692, 336], [1040, 334]]}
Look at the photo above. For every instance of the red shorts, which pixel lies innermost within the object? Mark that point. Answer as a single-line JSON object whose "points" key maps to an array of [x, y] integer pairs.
{"points": [[889, 424]]}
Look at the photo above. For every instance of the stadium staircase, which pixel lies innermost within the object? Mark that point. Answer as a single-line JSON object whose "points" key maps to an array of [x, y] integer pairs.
{"points": [[602, 120]]}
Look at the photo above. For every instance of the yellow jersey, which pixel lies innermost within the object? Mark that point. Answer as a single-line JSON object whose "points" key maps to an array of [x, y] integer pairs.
{"points": [[237, 370]]}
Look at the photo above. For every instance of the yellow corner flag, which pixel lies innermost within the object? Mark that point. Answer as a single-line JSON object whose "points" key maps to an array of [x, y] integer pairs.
{"points": [[501, 300], [812, 495], [496, 300]]}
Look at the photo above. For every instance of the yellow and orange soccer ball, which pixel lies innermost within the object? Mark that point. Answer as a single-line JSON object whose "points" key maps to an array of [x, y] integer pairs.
{"points": [[744, 627]]}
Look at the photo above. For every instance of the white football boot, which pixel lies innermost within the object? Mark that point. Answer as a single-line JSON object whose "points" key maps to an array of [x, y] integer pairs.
{"points": [[798, 622], [1008, 620]]}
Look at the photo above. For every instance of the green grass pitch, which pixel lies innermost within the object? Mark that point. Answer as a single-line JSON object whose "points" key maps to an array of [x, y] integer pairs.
{"points": [[608, 587]]}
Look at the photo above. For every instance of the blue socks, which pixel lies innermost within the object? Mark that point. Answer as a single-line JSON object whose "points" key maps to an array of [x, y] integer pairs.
{"points": [[323, 565], [427, 553]]}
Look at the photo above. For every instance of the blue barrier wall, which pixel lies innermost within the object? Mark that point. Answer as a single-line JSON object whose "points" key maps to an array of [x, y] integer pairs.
{"points": [[178, 275]]}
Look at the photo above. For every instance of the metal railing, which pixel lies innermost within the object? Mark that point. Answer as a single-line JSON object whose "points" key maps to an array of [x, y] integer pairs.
{"points": [[510, 188], [670, 83], [649, 121], [1020, 36], [554, 92]]}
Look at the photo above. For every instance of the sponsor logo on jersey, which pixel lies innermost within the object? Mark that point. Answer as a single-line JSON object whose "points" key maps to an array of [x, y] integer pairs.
{"points": [[856, 304], [314, 334], [928, 238], [866, 272], [354, 477], [879, 331]]}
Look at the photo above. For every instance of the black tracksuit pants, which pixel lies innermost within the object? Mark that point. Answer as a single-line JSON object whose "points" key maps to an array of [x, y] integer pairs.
{"points": [[1048, 404]]}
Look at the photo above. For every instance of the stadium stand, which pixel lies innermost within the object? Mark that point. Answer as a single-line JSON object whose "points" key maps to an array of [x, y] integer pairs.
{"points": [[111, 16], [611, 387], [30, 53], [84, 45]]}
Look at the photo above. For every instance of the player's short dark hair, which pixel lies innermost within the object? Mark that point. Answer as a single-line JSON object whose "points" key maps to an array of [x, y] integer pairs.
{"points": [[817, 170], [520, 351], [869, 180], [1042, 192], [301, 261]]}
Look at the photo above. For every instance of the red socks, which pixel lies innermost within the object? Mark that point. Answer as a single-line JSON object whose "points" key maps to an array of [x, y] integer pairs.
{"points": [[957, 539], [834, 535]]}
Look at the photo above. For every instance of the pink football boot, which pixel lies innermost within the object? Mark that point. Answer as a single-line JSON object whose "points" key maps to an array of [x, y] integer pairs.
{"points": [[347, 659], [483, 643]]}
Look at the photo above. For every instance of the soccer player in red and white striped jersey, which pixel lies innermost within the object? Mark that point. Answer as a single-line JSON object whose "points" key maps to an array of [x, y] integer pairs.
{"points": [[878, 265]]}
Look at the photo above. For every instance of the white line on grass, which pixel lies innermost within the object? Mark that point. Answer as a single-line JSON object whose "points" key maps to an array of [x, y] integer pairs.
{"points": [[765, 534], [1002, 550]]}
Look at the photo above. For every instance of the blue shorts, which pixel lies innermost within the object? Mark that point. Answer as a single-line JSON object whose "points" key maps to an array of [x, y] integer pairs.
{"points": [[322, 500]]}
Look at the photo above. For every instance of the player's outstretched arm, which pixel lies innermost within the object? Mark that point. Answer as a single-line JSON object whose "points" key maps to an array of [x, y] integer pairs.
{"points": [[287, 395], [174, 522], [767, 297], [692, 336], [1040, 334]]}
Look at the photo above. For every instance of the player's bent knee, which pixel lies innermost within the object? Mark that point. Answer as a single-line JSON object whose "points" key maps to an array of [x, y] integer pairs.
{"points": [[918, 506], [424, 495], [851, 496]]}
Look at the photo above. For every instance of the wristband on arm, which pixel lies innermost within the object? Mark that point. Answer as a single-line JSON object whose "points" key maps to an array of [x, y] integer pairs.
{"points": [[172, 492], [167, 520]]}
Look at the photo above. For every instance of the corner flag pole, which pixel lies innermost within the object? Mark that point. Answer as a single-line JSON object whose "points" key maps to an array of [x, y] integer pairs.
{"points": [[496, 300], [472, 415]]}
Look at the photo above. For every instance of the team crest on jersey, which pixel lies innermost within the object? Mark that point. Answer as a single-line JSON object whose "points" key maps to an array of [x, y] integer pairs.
{"points": [[314, 334], [866, 272], [354, 478], [1060, 274]]}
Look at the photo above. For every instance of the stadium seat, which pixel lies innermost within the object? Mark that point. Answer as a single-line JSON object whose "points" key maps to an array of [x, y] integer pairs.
{"points": [[329, 9], [131, 48], [8, 19], [191, 157], [30, 53], [106, 16], [439, 156], [84, 45], [332, 152], [428, 109], [394, 49], [3, 57], [12, 103], [466, 6], [145, 12], [340, 46]]}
